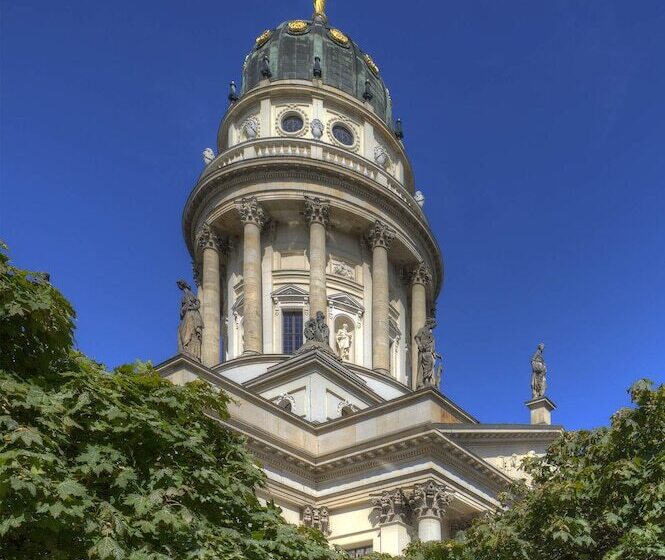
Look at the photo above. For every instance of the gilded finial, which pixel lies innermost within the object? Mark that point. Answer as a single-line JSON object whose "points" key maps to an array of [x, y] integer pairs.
{"points": [[320, 8]]}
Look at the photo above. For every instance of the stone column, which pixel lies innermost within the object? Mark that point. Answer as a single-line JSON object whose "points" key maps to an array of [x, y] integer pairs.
{"points": [[392, 509], [430, 503], [380, 238], [211, 305], [420, 279], [253, 217], [317, 213]]}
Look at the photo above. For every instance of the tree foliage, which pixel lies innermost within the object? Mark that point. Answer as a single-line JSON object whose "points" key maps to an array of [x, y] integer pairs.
{"points": [[596, 495], [120, 465]]}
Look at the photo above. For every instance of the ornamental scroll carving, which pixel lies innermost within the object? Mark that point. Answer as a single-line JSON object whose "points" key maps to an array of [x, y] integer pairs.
{"points": [[207, 238], [251, 212], [430, 499], [317, 210], [381, 235], [421, 275], [317, 518], [427, 499]]}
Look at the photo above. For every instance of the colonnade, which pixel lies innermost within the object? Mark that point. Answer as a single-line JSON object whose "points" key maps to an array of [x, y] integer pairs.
{"points": [[212, 249]]}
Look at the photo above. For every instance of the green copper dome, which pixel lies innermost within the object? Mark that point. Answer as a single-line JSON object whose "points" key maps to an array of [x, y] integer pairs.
{"points": [[289, 52]]}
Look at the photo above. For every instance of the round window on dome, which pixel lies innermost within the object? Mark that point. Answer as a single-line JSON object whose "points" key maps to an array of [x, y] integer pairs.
{"points": [[292, 123], [343, 135]]}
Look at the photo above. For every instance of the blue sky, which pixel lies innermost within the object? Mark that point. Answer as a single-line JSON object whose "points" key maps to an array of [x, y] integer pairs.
{"points": [[536, 130]]}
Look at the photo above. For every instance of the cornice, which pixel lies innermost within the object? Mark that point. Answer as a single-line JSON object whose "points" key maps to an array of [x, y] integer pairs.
{"points": [[288, 168]]}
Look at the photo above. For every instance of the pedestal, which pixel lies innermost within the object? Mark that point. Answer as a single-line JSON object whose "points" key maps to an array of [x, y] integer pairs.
{"points": [[394, 538], [541, 410]]}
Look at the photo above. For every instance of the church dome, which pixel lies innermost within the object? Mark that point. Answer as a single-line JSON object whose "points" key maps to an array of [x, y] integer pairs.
{"points": [[290, 52]]}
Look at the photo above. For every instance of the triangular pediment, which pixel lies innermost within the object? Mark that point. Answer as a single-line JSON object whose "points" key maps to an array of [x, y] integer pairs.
{"points": [[321, 379], [289, 291], [346, 302]]}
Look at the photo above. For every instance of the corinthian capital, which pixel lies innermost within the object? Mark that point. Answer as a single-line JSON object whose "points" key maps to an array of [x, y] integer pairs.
{"points": [[317, 210], [430, 499], [421, 274], [207, 238], [251, 212], [381, 235], [392, 505]]}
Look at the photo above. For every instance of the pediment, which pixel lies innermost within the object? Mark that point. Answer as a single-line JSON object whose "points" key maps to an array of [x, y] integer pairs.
{"points": [[347, 303], [289, 291], [318, 371]]}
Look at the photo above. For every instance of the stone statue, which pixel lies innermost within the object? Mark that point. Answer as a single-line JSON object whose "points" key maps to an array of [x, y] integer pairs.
{"points": [[344, 339], [419, 198], [427, 356], [538, 373], [190, 329], [316, 330], [208, 155]]}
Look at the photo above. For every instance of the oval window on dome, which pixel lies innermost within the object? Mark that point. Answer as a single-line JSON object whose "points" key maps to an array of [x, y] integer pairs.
{"points": [[343, 135], [292, 123]]}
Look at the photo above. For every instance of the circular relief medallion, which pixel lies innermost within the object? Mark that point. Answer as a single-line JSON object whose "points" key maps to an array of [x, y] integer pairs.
{"points": [[372, 65], [298, 26], [339, 37], [263, 38]]}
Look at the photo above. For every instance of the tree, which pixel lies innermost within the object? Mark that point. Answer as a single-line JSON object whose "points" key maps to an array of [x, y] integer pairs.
{"points": [[120, 465], [595, 495]]}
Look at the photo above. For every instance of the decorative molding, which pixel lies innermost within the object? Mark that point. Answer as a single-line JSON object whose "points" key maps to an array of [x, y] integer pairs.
{"points": [[292, 109], [251, 212], [348, 123], [317, 210], [381, 235]]}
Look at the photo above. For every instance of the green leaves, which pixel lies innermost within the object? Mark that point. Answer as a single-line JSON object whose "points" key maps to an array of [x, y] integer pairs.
{"points": [[120, 465]]}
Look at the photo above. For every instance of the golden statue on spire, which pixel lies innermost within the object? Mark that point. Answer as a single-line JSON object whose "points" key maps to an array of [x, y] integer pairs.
{"points": [[320, 8]]}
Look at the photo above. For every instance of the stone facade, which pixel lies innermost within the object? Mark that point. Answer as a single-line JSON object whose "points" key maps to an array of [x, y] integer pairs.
{"points": [[309, 210]]}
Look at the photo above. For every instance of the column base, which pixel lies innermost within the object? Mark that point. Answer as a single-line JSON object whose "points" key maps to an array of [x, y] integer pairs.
{"points": [[251, 353]]}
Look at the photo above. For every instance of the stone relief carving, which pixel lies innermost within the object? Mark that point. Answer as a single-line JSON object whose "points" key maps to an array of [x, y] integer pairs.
{"points": [[251, 212], [381, 235], [341, 268], [208, 155], [538, 373], [250, 128], [419, 197], [381, 156], [426, 499], [285, 401], [190, 330], [344, 339], [317, 128], [317, 518], [512, 465], [427, 357], [317, 210], [430, 499], [392, 505], [421, 274]]}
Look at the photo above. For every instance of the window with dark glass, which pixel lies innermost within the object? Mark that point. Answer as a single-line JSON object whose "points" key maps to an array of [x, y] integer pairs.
{"points": [[292, 123], [343, 135], [360, 552], [292, 331]]}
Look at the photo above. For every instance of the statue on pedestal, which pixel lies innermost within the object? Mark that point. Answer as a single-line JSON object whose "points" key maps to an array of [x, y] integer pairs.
{"points": [[190, 329], [317, 336], [344, 339], [538, 373], [427, 356]]}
